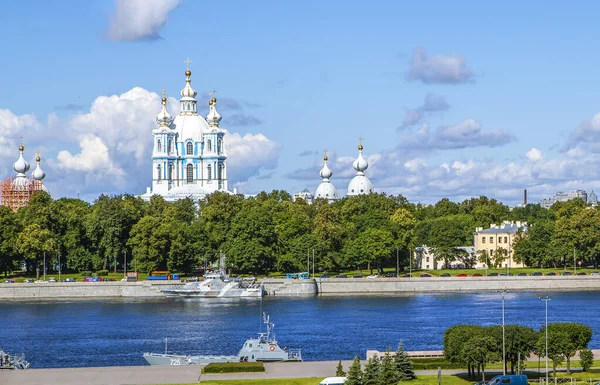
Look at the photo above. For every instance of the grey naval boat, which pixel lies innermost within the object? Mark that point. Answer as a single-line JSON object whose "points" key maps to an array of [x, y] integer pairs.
{"points": [[12, 362], [264, 348], [217, 284]]}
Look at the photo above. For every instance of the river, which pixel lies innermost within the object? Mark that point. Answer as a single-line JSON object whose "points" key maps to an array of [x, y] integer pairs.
{"points": [[75, 333]]}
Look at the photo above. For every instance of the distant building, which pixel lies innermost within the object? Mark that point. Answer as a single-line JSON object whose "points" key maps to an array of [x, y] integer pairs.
{"points": [[360, 184], [16, 193], [592, 199], [565, 196], [489, 241], [425, 258], [304, 194]]}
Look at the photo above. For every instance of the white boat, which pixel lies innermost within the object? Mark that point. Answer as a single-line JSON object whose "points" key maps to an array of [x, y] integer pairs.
{"points": [[263, 348]]}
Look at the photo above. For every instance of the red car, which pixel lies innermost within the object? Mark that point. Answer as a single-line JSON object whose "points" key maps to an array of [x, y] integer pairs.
{"points": [[477, 275], [462, 275]]}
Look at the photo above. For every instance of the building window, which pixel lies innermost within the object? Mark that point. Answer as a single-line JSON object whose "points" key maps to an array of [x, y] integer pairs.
{"points": [[221, 167], [491, 239], [491, 253], [427, 259], [482, 239], [189, 169], [505, 239], [158, 171], [499, 239], [209, 145], [170, 171], [427, 266], [219, 146], [189, 148], [209, 171], [158, 145], [170, 145]]}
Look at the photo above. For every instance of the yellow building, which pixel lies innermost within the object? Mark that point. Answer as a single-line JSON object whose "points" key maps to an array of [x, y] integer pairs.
{"points": [[497, 242]]}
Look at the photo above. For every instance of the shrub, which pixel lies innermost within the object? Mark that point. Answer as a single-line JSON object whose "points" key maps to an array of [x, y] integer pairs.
{"points": [[586, 359], [102, 273], [234, 367], [85, 273]]}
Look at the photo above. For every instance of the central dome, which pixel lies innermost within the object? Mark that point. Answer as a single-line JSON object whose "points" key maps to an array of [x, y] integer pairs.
{"points": [[190, 127]]}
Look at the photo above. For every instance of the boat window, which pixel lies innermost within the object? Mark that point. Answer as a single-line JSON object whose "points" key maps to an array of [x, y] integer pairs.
{"points": [[250, 345], [253, 356]]}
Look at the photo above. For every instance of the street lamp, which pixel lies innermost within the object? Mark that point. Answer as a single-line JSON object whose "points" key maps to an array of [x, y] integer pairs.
{"points": [[546, 299], [503, 337]]}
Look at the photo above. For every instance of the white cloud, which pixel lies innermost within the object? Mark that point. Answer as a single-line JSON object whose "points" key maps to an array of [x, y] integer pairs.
{"points": [[451, 69], [139, 19], [11, 127], [534, 154], [248, 155], [94, 157], [462, 135], [433, 103]]}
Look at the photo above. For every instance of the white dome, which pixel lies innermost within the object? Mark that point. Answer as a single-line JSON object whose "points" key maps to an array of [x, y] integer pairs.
{"points": [[21, 166], [213, 118], [20, 182], [360, 185], [326, 190], [38, 173], [163, 118], [360, 164], [190, 127], [325, 171], [188, 91]]}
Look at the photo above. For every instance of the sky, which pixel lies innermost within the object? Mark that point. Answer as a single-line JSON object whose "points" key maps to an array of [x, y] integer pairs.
{"points": [[453, 99]]}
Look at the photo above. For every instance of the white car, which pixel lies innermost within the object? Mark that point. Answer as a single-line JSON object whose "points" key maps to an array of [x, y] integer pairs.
{"points": [[373, 276], [41, 281], [52, 280], [333, 381]]}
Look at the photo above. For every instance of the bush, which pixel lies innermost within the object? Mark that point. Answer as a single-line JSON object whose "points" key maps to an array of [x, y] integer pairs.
{"points": [[85, 273], [102, 273], [586, 359], [234, 367]]}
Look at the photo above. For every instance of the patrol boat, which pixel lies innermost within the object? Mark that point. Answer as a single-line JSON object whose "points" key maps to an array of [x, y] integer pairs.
{"points": [[217, 284], [12, 362], [263, 348]]}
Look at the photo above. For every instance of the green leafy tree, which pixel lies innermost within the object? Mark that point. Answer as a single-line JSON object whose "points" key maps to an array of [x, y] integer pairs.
{"points": [[564, 340], [402, 365], [371, 373], [355, 374], [339, 370], [519, 342], [480, 350], [9, 229], [586, 359], [34, 241], [387, 374]]}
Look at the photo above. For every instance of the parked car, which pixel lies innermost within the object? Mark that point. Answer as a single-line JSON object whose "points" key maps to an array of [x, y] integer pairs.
{"points": [[341, 276], [445, 275], [522, 274], [462, 275], [551, 273], [407, 275], [595, 273], [52, 279], [566, 273], [324, 276], [373, 276], [425, 275], [28, 281], [69, 280], [9, 281], [477, 275], [391, 275], [536, 274], [492, 275], [41, 281], [582, 273], [357, 276], [107, 279]]}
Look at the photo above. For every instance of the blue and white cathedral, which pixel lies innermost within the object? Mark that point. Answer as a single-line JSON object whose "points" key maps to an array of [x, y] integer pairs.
{"points": [[189, 157]]}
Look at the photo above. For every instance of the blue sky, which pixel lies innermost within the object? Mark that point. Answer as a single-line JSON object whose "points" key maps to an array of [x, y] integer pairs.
{"points": [[454, 99]]}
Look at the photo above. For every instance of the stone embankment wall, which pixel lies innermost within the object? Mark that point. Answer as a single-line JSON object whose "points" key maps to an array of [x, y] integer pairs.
{"points": [[84, 289], [289, 287], [336, 286]]}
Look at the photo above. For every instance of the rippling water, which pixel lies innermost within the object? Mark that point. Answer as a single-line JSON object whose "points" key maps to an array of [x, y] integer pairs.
{"points": [[71, 333]]}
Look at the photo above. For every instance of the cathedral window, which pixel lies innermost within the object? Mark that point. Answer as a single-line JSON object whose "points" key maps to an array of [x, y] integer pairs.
{"points": [[209, 145], [158, 145], [219, 146], [189, 148], [189, 169], [170, 171], [221, 170], [158, 169], [209, 171], [170, 145]]}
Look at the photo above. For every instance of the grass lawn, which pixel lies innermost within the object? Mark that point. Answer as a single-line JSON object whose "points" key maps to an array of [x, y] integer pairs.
{"points": [[421, 380]]}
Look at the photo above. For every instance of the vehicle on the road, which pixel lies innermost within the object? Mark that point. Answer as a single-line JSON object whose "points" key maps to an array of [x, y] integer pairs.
{"points": [[492, 275], [521, 274], [566, 273], [536, 274], [324, 276], [9, 281], [582, 273], [341, 276], [445, 275], [462, 275], [357, 276], [41, 281], [477, 275], [28, 281], [425, 275], [52, 279], [373, 276], [391, 275], [551, 273], [508, 380], [69, 280], [333, 381], [595, 273]]}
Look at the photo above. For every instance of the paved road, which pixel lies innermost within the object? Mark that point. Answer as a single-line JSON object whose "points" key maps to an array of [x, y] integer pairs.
{"points": [[147, 375]]}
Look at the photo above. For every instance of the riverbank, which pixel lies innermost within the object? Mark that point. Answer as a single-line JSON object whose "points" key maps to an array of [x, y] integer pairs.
{"points": [[306, 287]]}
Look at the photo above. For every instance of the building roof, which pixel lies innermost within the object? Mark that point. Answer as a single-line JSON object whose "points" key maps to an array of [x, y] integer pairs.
{"points": [[504, 228]]}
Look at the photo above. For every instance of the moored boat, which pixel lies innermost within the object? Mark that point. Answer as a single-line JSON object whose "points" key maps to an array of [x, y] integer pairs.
{"points": [[12, 362]]}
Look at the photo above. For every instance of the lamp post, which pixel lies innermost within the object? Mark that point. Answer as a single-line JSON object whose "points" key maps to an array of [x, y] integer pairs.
{"points": [[503, 337], [125, 264], [44, 265], [546, 299], [59, 266], [397, 262]]}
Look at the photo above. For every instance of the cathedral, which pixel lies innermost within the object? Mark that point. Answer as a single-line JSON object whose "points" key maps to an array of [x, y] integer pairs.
{"points": [[16, 193], [189, 156]]}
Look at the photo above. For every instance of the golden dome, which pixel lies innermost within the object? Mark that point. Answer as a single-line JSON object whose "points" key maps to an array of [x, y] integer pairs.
{"points": [[38, 159], [360, 147], [325, 158], [164, 99], [21, 148], [188, 73], [213, 100]]}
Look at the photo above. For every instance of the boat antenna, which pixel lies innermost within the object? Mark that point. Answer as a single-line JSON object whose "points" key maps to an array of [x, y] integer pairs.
{"points": [[165, 345]]}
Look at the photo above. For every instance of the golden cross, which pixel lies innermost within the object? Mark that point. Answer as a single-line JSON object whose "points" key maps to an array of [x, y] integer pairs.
{"points": [[212, 93], [164, 93], [325, 151], [187, 63], [361, 139]]}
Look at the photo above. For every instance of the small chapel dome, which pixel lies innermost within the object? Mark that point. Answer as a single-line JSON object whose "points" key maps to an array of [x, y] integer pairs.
{"points": [[21, 166], [188, 91], [326, 189], [163, 118], [213, 118], [38, 173], [360, 164], [360, 184]]}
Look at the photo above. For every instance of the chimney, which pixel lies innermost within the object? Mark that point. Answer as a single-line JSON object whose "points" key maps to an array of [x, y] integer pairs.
{"points": [[525, 197]]}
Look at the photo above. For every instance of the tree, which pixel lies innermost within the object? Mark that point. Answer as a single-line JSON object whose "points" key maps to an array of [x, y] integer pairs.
{"points": [[402, 366], [371, 374], [387, 374], [33, 242], [8, 235], [564, 340], [586, 359], [355, 374], [519, 341], [480, 350], [339, 370]]}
